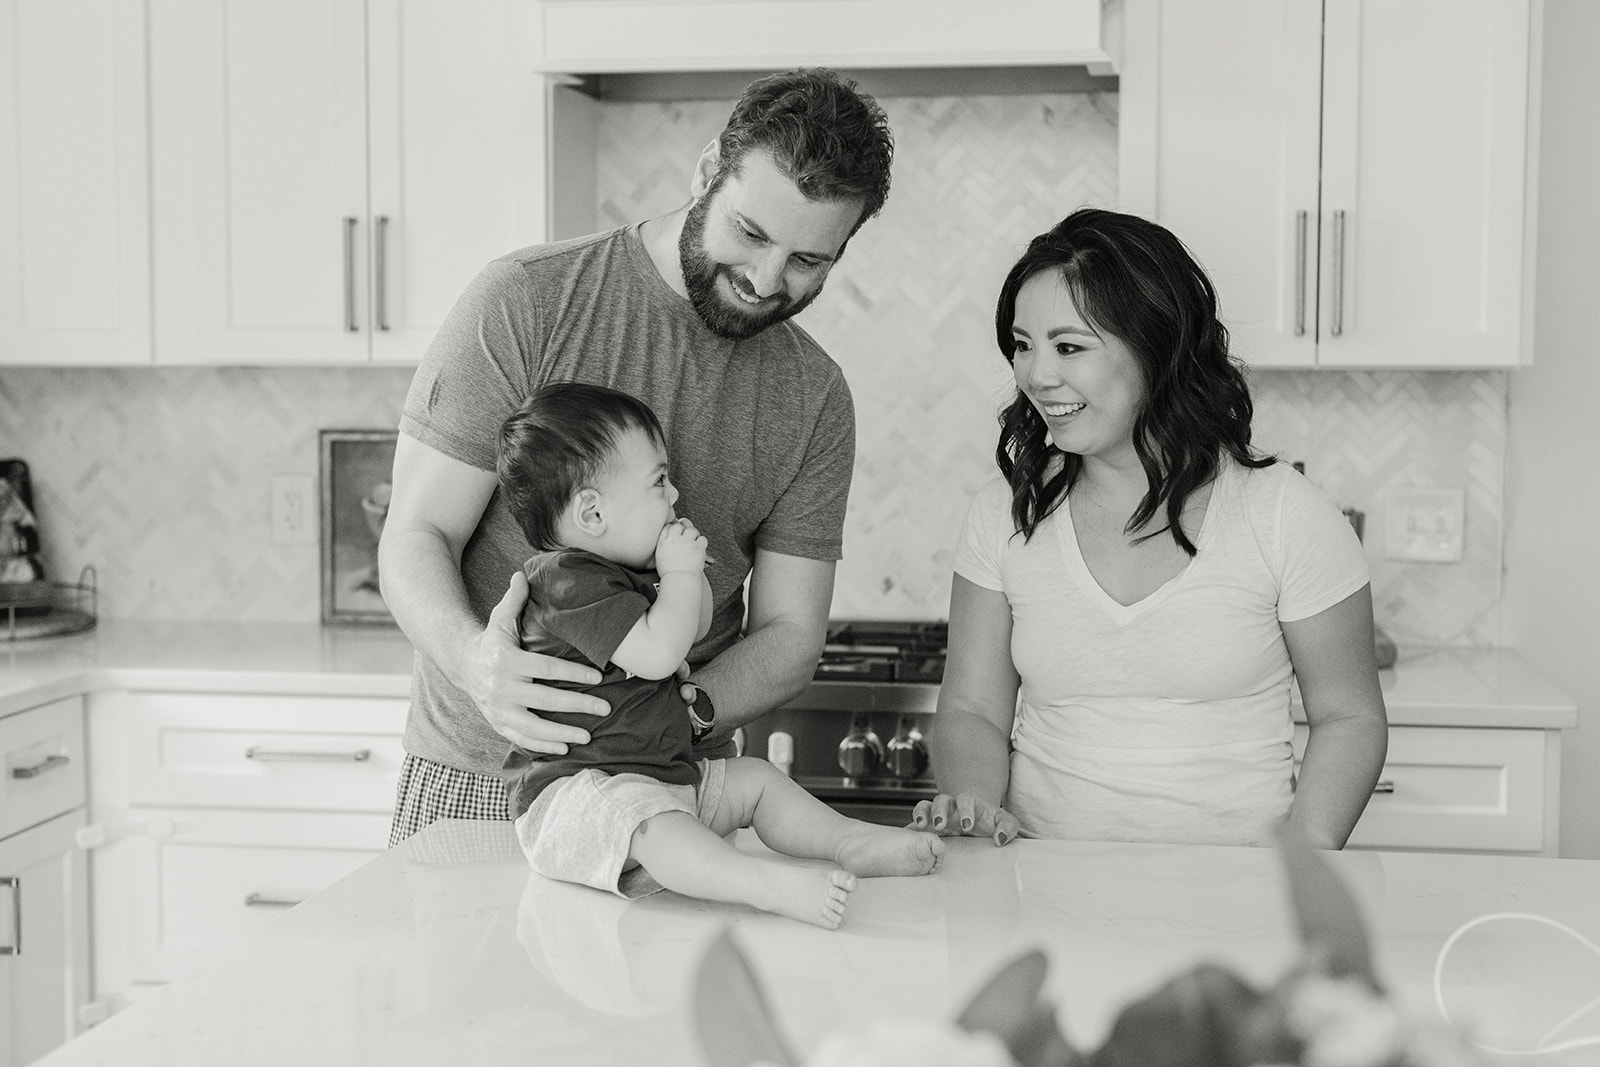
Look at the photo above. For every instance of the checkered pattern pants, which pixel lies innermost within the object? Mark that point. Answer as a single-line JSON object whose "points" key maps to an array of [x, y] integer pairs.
{"points": [[429, 791]]}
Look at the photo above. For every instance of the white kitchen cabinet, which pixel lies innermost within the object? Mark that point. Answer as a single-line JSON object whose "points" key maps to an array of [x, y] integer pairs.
{"points": [[213, 812], [1463, 789], [44, 896], [328, 175], [74, 184], [599, 36], [1355, 177]]}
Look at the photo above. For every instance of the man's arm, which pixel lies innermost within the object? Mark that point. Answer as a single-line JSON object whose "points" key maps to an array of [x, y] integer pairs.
{"points": [[435, 507], [1336, 665], [785, 628]]}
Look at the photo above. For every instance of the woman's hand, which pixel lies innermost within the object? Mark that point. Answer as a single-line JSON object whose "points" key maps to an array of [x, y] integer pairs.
{"points": [[965, 815]]}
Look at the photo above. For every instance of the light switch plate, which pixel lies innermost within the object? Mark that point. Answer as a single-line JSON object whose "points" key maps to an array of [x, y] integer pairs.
{"points": [[294, 514], [1425, 524]]}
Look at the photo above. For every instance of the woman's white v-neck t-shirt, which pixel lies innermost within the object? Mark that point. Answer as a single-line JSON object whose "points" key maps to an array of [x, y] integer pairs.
{"points": [[1167, 719]]}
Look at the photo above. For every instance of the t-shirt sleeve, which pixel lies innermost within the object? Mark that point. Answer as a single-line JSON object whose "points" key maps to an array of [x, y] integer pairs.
{"points": [[475, 372], [808, 519], [585, 602], [1321, 560], [984, 534]]}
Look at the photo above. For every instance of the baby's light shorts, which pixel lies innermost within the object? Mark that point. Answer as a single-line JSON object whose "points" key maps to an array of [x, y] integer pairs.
{"points": [[579, 829]]}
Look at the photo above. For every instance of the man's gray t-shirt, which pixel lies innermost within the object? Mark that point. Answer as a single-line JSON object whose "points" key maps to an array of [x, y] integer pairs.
{"points": [[760, 432]]}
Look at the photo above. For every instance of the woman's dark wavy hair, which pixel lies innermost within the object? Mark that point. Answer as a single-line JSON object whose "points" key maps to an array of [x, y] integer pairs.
{"points": [[830, 138], [1133, 279], [556, 443]]}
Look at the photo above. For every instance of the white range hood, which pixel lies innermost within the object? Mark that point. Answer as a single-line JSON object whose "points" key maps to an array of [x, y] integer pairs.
{"points": [[647, 36]]}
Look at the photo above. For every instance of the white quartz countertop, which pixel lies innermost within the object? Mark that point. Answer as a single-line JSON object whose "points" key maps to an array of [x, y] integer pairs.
{"points": [[447, 949], [1493, 687]]}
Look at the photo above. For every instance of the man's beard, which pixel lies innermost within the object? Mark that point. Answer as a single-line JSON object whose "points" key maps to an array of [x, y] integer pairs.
{"points": [[725, 316]]}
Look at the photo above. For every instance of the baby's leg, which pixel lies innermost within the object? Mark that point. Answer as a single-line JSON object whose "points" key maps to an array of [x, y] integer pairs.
{"points": [[686, 857], [792, 821]]}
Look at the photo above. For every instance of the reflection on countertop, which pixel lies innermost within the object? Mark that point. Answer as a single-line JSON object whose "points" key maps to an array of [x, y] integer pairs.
{"points": [[447, 949]]}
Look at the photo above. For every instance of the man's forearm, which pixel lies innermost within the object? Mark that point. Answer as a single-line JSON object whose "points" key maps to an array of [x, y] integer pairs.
{"points": [[422, 587], [766, 670]]}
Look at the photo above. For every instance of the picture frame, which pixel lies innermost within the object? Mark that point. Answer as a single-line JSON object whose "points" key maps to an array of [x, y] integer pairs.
{"points": [[355, 467]]}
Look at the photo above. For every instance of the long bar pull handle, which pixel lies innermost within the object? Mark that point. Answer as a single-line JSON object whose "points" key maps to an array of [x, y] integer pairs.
{"points": [[1338, 273], [257, 900], [380, 252], [267, 755], [350, 222], [49, 763], [1385, 785], [15, 885], [1300, 220]]}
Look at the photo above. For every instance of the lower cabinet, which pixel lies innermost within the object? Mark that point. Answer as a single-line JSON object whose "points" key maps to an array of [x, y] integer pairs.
{"points": [[1463, 789], [220, 811]]}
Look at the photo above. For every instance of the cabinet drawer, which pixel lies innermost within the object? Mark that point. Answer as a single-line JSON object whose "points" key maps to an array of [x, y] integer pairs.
{"points": [[215, 878], [41, 764], [1477, 790], [254, 751]]}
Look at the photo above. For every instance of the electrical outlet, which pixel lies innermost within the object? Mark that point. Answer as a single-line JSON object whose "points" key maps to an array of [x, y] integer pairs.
{"points": [[293, 514], [1425, 524]]}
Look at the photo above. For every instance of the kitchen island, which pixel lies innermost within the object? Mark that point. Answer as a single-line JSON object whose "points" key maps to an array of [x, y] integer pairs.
{"points": [[447, 949]]}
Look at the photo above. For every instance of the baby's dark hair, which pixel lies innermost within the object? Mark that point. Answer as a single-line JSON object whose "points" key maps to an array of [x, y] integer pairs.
{"points": [[556, 443]]}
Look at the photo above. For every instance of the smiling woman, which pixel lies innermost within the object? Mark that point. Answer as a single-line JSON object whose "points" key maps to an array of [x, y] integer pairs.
{"points": [[1134, 595]]}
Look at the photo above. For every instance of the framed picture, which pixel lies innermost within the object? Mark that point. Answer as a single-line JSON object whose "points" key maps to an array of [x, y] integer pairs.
{"points": [[355, 469]]}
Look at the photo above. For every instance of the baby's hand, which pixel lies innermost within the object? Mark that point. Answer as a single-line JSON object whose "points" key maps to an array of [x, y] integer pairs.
{"points": [[680, 548]]}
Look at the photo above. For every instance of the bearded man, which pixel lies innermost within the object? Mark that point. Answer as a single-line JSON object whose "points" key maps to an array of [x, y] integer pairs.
{"points": [[690, 312]]}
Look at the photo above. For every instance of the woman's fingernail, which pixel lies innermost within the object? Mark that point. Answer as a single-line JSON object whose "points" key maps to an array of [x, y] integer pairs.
{"points": [[1001, 837], [938, 822], [966, 824]]}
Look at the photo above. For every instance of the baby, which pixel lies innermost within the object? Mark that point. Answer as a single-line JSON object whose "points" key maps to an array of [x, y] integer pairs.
{"points": [[618, 581]]}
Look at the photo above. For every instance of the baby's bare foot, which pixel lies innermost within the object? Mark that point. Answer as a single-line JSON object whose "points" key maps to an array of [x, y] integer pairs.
{"points": [[874, 851], [811, 894]]}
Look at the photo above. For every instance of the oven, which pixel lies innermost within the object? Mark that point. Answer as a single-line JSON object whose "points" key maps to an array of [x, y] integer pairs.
{"points": [[856, 739]]}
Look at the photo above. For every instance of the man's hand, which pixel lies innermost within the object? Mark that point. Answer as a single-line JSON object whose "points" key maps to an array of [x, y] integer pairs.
{"points": [[500, 679], [964, 815]]}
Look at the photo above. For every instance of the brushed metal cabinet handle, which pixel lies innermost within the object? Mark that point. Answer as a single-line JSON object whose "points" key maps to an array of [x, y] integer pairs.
{"points": [[49, 763], [1300, 220], [267, 755], [1338, 273], [15, 885], [350, 222], [1385, 785], [380, 247], [258, 900]]}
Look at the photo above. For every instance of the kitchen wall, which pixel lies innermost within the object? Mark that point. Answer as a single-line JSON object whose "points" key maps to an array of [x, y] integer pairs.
{"points": [[159, 478]]}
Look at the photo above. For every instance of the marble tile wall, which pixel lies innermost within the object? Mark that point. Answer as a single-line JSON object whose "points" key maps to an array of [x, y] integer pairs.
{"points": [[159, 478]]}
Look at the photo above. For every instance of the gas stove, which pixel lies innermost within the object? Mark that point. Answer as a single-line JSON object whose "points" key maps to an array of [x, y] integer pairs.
{"points": [[883, 651]]}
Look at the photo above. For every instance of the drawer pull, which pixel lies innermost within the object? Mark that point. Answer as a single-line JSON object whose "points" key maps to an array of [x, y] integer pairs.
{"points": [[1385, 785], [256, 900], [49, 763], [15, 885], [267, 755]]}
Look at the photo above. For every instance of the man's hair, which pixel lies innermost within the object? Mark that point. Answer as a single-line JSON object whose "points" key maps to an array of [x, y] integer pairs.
{"points": [[1133, 279], [556, 443], [832, 140]]}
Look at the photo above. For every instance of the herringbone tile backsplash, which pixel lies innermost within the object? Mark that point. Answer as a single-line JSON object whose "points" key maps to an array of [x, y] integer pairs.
{"points": [[159, 478]]}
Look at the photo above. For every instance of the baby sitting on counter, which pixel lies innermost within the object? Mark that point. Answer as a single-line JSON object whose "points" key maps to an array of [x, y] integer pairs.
{"points": [[583, 469]]}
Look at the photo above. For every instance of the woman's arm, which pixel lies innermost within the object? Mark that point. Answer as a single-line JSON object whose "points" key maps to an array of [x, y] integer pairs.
{"points": [[1336, 665], [970, 741]]}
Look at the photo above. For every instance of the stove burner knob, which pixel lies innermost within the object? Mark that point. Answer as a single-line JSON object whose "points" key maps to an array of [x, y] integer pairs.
{"points": [[861, 752], [907, 751]]}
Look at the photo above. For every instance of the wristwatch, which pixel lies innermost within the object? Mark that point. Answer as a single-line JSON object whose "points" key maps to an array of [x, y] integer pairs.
{"points": [[702, 715]]}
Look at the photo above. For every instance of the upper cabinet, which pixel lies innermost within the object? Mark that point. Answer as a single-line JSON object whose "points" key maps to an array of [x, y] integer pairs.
{"points": [[329, 175], [74, 183], [601, 36], [1354, 176]]}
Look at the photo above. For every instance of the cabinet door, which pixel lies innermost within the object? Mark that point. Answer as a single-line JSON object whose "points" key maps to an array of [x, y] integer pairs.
{"points": [[259, 161], [1220, 105], [74, 186], [44, 959], [457, 121], [1424, 183]]}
